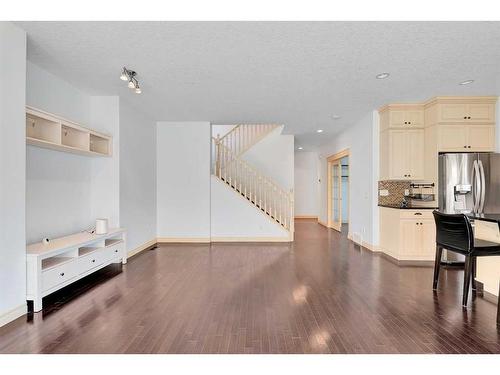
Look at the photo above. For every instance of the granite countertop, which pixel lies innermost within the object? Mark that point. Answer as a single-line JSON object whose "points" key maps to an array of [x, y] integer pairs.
{"points": [[407, 208]]}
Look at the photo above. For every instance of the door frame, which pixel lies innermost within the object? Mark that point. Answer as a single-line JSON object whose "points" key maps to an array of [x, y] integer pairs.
{"points": [[330, 160]]}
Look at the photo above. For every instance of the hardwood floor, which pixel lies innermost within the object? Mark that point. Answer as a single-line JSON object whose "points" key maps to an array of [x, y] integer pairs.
{"points": [[322, 294]]}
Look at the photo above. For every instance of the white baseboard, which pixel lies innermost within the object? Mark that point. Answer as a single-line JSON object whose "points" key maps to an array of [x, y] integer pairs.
{"points": [[357, 240], [251, 239], [306, 217], [13, 314], [183, 240], [322, 223], [140, 248]]}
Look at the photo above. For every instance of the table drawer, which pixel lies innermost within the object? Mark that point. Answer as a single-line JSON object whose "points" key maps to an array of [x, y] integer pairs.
{"points": [[59, 274], [416, 214], [91, 260], [114, 251]]}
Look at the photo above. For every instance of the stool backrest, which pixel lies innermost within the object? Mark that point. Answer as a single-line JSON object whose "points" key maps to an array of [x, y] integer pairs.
{"points": [[454, 231]]}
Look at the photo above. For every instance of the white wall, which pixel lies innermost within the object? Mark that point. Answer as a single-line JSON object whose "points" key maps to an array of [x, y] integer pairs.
{"points": [[183, 180], [306, 183], [232, 217], [137, 176], [65, 193], [12, 172], [274, 157], [105, 171], [46, 91], [362, 140], [58, 184]]}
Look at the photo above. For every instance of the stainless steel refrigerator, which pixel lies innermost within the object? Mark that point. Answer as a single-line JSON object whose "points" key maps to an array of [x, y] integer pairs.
{"points": [[469, 182]]}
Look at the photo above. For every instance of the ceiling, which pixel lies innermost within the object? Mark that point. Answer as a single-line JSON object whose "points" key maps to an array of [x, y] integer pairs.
{"points": [[299, 74]]}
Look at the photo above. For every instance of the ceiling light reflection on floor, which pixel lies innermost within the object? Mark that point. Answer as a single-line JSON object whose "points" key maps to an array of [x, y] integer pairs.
{"points": [[319, 340], [300, 294]]}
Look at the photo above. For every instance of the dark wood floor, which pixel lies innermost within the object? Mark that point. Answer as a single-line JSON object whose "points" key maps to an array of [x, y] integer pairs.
{"points": [[320, 295]]}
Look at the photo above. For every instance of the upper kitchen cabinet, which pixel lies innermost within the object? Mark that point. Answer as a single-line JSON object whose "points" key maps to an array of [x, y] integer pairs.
{"points": [[402, 154], [460, 110], [401, 116]]}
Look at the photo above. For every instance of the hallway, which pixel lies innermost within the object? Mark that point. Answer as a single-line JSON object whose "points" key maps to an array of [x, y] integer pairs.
{"points": [[321, 294]]}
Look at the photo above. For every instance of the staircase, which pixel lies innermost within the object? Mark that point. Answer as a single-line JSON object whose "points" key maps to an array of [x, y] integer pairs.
{"points": [[259, 190]]}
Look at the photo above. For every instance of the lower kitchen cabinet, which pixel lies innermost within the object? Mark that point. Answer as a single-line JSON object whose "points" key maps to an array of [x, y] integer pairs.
{"points": [[407, 234]]}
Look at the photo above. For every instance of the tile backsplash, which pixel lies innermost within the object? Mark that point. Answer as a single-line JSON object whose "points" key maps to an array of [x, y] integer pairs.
{"points": [[395, 190]]}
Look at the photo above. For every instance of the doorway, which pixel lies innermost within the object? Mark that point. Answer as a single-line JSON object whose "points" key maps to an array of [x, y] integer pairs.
{"points": [[338, 191]]}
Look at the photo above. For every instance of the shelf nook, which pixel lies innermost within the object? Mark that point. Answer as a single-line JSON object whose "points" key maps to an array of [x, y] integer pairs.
{"points": [[50, 131]]}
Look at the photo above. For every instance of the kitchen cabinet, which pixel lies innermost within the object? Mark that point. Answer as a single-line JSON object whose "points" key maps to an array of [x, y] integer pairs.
{"points": [[401, 116], [404, 157], [466, 138], [407, 234], [460, 110]]}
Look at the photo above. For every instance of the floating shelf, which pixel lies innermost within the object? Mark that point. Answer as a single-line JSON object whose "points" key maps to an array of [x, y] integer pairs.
{"points": [[53, 132]]}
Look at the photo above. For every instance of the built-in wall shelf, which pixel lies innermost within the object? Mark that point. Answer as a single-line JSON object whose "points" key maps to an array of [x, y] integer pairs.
{"points": [[50, 131]]}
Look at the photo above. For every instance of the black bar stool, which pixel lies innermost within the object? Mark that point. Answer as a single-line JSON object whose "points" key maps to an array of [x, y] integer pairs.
{"points": [[454, 233]]}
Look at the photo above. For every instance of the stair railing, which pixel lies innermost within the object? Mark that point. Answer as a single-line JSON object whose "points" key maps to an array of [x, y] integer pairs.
{"points": [[257, 188], [242, 137]]}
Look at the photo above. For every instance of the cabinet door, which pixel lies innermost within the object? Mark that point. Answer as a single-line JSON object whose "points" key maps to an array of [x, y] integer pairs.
{"points": [[415, 154], [410, 238], [415, 118], [481, 138], [452, 138], [397, 119], [483, 113], [398, 154], [428, 239], [452, 113]]}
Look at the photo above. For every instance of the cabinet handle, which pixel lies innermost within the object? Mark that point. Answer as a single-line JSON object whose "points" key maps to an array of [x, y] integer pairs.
{"points": [[116, 250], [468, 117], [93, 260], [418, 213], [62, 274], [468, 146], [465, 117], [465, 146], [409, 122]]}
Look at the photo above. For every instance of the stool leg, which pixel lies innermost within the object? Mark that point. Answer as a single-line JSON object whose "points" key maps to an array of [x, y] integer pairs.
{"points": [[437, 266], [474, 271], [467, 277]]}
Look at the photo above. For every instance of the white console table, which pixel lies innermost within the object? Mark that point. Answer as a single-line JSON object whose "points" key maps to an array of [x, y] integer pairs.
{"points": [[64, 260]]}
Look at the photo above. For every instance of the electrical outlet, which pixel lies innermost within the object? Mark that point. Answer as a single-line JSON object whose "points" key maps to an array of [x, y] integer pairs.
{"points": [[407, 192], [383, 192]]}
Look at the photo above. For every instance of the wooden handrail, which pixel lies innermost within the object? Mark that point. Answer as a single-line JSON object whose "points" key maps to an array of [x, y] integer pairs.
{"points": [[258, 189]]}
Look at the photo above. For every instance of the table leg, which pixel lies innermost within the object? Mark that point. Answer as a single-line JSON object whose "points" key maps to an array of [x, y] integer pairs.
{"points": [[498, 307]]}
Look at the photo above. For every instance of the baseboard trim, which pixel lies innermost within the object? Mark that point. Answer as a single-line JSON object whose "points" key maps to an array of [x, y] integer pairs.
{"points": [[399, 262], [13, 314], [145, 246], [251, 239], [306, 217], [490, 297], [322, 223], [407, 262], [183, 240]]}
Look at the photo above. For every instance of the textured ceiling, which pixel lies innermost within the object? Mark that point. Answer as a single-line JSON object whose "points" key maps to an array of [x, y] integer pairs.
{"points": [[298, 74]]}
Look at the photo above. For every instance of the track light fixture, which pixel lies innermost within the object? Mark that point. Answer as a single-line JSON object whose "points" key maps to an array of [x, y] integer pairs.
{"points": [[133, 83]]}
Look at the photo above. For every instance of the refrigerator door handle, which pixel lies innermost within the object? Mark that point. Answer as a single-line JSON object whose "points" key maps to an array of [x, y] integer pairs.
{"points": [[483, 187], [476, 186]]}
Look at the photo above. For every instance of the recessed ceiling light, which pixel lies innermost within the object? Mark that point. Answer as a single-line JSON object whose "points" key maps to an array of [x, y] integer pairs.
{"points": [[301, 148], [469, 81], [319, 131], [382, 75], [336, 117]]}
